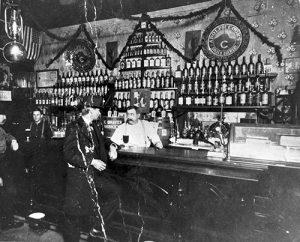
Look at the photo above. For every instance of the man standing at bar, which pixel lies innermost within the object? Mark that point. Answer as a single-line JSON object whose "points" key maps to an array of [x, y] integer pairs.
{"points": [[7, 183], [139, 132], [87, 152], [37, 152]]}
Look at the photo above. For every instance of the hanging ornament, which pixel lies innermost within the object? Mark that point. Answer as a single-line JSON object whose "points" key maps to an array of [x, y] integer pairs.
{"points": [[293, 20]]}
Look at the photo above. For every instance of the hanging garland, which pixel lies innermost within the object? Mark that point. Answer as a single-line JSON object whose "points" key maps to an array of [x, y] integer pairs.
{"points": [[171, 47], [199, 48], [201, 14], [74, 37]]}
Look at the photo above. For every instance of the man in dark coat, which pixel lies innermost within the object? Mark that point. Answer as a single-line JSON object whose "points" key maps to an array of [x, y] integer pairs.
{"points": [[37, 153], [87, 151]]}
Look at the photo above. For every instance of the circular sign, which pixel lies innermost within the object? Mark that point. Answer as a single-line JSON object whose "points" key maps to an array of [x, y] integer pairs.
{"points": [[226, 38], [81, 55]]}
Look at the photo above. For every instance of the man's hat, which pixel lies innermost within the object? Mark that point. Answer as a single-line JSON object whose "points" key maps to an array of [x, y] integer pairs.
{"points": [[92, 101]]}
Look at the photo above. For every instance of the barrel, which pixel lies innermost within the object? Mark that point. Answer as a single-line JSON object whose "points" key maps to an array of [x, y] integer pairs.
{"points": [[110, 124], [164, 130]]}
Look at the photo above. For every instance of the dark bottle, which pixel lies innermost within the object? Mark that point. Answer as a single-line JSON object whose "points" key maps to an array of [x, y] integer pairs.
{"points": [[244, 67], [191, 71], [197, 70], [236, 68], [251, 67], [242, 97], [203, 69], [223, 69], [172, 100], [229, 68], [185, 71], [210, 68], [216, 70], [259, 66]]}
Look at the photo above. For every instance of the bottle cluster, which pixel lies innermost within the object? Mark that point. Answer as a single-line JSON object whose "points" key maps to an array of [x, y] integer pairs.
{"points": [[161, 102], [161, 60], [217, 85], [72, 86], [149, 37], [149, 80], [215, 69]]}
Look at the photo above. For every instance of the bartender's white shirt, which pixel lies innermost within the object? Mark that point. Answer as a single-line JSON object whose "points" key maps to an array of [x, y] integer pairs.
{"points": [[140, 134]]}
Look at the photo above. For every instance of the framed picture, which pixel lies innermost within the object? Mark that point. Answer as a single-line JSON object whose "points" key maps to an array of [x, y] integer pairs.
{"points": [[111, 52], [292, 65], [192, 41], [141, 99], [46, 78]]}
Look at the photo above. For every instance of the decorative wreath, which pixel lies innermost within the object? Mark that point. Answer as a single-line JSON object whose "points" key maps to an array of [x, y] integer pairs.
{"points": [[226, 38], [81, 55]]}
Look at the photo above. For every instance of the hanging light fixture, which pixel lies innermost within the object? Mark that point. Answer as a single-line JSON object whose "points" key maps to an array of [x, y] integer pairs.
{"points": [[13, 51]]}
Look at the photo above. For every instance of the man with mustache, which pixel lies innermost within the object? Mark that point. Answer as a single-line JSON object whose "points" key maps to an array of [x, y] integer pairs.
{"points": [[141, 133]]}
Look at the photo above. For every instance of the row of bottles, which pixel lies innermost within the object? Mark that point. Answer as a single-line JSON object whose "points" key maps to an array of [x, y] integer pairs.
{"points": [[216, 69], [95, 77], [146, 50], [153, 61], [253, 91], [149, 37], [149, 80], [163, 99], [67, 97]]}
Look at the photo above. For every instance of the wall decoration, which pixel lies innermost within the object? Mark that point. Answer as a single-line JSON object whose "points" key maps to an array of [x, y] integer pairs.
{"points": [[292, 65], [46, 78], [111, 52], [81, 55], [141, 99], [192, 41], [226, 38]]}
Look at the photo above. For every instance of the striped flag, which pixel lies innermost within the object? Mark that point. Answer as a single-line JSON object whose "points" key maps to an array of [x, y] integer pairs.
{"points": [[32, 41]]}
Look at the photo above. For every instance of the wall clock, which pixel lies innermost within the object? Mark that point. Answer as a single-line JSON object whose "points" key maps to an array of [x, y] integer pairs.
{"points": [[81, 55], [226, 38]]}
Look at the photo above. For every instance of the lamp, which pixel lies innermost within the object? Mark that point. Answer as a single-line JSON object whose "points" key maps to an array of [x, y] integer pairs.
{"points": [[13, 51]]}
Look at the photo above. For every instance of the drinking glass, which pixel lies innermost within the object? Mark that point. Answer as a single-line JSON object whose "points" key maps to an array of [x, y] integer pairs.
{"points": [[126, 140]]}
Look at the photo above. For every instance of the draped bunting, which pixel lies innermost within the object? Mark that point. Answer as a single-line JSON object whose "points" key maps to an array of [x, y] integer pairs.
{"points": [[200, 14]]}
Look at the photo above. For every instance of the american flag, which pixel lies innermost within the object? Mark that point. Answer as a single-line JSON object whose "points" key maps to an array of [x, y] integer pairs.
{"points": [[32, 41]]}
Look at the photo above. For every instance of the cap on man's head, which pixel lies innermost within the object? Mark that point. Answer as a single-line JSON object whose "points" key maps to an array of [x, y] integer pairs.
{"points": [[92, 101]]}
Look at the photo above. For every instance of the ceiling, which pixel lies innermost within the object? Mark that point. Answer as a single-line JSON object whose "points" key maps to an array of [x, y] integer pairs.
{"points": [[59, 13], [48, 14]]}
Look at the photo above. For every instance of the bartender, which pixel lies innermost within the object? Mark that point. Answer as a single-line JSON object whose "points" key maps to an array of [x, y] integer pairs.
{"points": [[140, 133]]}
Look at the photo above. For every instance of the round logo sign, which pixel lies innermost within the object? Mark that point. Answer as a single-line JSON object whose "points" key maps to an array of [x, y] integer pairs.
{"points": [[81, 55], [226, 38]]}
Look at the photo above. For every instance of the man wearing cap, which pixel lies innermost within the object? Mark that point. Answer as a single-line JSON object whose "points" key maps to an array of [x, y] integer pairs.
{"points": [[90, 191], [37, 151], [7, 184]]}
